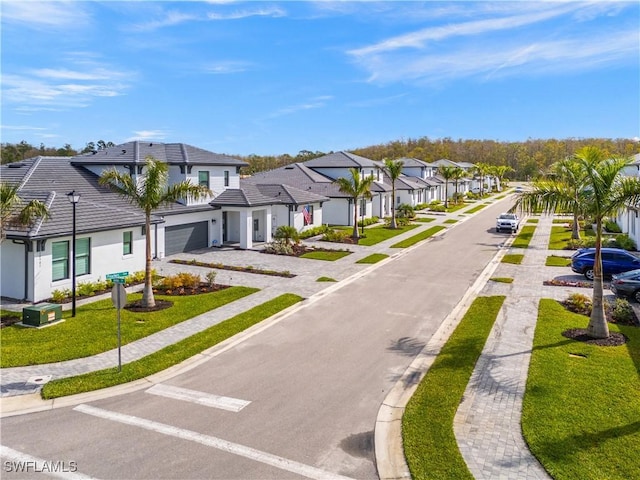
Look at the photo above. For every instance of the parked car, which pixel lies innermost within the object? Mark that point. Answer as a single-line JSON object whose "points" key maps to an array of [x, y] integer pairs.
{"points": [[614, 260], [519, 189], [507, 222], [626, 284]]}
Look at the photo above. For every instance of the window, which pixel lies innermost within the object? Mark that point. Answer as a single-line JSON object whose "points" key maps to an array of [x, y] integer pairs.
{"points": [[226, 178], [60, 260], [83, 256], [203, 179], [127, 243]]}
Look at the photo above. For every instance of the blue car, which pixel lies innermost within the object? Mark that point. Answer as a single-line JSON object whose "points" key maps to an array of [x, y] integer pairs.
{"points": [[614, 260]]}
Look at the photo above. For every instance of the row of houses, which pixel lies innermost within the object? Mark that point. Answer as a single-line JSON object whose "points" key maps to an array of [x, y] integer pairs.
{"points": [[110, 232]]}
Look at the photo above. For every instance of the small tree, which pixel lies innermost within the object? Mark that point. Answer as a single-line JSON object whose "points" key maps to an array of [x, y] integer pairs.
{"points": [[287, 234], [13, 210], [357, 186], [149, 193], [448, 173]]}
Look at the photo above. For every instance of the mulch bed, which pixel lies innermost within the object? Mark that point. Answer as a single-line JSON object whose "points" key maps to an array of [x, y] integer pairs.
{"points": [[137, 305], [234, 268], [614, 339]]}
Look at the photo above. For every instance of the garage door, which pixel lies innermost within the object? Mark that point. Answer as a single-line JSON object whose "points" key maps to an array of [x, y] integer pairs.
{"points": [[183, 238]]}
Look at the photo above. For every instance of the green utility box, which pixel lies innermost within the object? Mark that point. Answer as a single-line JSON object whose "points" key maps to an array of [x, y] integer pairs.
{"points": [[41, 314]]}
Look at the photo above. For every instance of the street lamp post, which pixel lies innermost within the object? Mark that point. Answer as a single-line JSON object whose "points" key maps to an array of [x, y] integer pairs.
{"points": [[74, 198]]}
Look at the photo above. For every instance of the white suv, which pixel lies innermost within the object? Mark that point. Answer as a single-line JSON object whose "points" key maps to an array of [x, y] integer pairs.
{"points": [[507, 222]]}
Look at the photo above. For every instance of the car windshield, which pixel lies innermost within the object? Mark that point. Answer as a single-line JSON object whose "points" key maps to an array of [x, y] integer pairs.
{"points": [[508, 216]]}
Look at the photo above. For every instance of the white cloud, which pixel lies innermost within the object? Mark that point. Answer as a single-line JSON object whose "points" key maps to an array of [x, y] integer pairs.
{"points": [[225, 67], [317, 102], [148, 135], [58, 14]]}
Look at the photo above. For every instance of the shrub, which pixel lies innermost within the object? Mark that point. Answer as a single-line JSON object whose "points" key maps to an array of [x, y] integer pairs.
{"points": [[620, 311], [405, 211], [85, 289], [312, 232], [211, 277], [623, 241], [336, 236], [180, 280], [611, 226], [421, 206], [578, 303], [437, 208], [279, 247], [472, 196], [59, 296], [287, 234], [368, 221]]}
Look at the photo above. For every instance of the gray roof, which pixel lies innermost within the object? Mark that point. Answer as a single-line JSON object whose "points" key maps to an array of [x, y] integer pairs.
{"points": [[342, 160], [172, 153], [50, 179], [414, 162], [249, 195]]}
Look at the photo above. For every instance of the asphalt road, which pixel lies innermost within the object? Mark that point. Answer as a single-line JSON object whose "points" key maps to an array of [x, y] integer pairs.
{"points": [[315, 381]]}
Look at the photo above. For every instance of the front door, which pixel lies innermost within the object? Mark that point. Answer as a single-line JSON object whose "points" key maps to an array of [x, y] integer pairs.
{"points": [[224, 227]]}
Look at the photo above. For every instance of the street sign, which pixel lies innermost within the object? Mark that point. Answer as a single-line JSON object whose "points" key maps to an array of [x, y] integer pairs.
{"points": [[118, 279], [119, 296], [113, 276]]}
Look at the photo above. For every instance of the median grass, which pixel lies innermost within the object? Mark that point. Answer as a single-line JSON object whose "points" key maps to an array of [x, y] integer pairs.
{"points": [[94, 328], [325, 255], [373, 258], [524, 237], [513, 258], [533, 220], [430, 446], [451, 220], [376, 235], [581, 410], [423, 219], [502, 279], [557, 261], [476, 208], [419, 237], [168, 356], [325, 279]]}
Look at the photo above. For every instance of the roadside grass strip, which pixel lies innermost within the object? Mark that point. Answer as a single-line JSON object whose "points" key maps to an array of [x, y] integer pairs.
{"points": [[170, 355], [430, 445], [559, 238], [533, 220], [454, 207], [380, 234], [476, 208], [325, 279], [557, 261], [419, 237], [373, 258], [326, 256], [423, 219], [524, 237], [451, 220], [513, 258], [581, 409], [501, 279], [93, 330]]}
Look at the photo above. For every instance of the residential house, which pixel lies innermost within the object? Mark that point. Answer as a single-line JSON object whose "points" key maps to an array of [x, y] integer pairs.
{"points": [[629, 218]]}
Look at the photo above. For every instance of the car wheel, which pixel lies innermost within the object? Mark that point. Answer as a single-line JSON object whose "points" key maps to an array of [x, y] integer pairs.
{"points": [[588, 273], [497, 230], [636, 296]]}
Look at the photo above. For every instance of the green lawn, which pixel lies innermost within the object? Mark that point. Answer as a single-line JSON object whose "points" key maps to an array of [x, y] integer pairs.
{"points": [[171, 355], [373, 258], [376, 235], [453, 207], [524, 237], [326, 256], [514, 258], [559, 238], [325, 279], [423, 219], [502, 279], [581, 411], [451, 220], [533, 220], [430, 446], [476, 208], [557, 261], [94, 328], [419, 237]]}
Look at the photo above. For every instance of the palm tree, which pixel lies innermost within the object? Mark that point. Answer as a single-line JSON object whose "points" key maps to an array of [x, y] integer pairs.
{"points": [[570, 174], [458, 174], [14, 212], [148, 193], [394, 170], [499, 171], [355, 187], [448, 173], [482, 170], [605, 191]]}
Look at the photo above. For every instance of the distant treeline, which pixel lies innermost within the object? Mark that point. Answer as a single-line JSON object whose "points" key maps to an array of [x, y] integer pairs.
{"points": [[528, 159]]}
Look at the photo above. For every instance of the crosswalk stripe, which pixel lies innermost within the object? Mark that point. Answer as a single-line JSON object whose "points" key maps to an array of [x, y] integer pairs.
{"points": [[201, 398], [210, 441]]}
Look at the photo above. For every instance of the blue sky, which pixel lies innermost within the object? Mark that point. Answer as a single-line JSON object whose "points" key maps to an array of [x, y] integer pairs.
{"points": [[268, 78]]}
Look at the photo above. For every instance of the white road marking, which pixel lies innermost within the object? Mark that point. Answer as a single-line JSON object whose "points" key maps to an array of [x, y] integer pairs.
{"points": [[18, 462], [210, 441], [201, 398]]}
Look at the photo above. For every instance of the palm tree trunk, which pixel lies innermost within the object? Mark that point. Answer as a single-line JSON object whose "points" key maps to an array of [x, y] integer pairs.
{"points": [[148, 299], [575, 230], [393, 206], [598, 327], [446, 194], [355, 218]]}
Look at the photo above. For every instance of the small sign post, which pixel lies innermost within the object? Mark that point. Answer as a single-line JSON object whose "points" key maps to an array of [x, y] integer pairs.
{"points": [[119, 299]]}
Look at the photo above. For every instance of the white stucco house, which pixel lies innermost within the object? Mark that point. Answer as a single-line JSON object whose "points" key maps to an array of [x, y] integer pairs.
{"points": [[629, 218], [110, 232]]}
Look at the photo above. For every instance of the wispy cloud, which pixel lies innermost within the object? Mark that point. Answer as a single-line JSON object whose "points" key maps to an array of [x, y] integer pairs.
{"points": [[484, 49], [36, 15], [148, 135], [376, 102], [226, 67], [47, 88], [317, 102]]}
